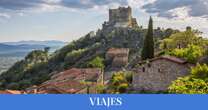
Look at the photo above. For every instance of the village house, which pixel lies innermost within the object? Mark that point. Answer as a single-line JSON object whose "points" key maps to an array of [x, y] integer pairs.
{"points": [[158, 73], [118, 56], [69, 82]]}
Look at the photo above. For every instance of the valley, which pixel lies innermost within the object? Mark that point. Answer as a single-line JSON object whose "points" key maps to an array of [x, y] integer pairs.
{"points": [[7, 62]]}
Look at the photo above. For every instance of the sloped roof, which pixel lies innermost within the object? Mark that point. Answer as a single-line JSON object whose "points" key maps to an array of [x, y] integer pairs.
{"points": [[69, 86], [117, 51], [174, 59], [169, 58], [78, 74], [69, 81]]}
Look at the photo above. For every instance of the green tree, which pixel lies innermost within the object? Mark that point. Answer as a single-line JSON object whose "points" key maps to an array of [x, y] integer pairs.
{"points": [[192, 53], [97, 62], [182, 40], [148, 47], [73, 56]]}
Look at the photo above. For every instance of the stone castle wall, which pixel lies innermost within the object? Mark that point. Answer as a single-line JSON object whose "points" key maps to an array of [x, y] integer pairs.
{"points": [[121, 17]]}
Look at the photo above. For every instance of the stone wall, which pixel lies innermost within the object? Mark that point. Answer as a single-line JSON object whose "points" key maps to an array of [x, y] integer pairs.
{"points": [[158, 75], [117, 56], [121, 14], [121, 17]]}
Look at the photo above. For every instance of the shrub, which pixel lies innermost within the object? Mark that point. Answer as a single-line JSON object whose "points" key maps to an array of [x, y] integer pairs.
{"points": [[118, 83], [100, 89], [14, 86], [122, 88], [200, 72], [189, 85], [129, 76], [118, 78]]}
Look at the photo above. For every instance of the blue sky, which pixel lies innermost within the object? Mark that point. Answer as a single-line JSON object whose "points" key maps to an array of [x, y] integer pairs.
{"points": [[67, 20]]}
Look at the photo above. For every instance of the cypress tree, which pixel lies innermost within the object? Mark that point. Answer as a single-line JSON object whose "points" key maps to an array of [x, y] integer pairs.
{"points": [[148, 47]]}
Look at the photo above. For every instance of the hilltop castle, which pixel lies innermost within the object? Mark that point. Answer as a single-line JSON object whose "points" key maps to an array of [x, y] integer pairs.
{"points": [[121, 17]]}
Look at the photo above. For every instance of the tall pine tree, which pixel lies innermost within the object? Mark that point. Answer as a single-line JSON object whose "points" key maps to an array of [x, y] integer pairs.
{"points": [[148, 47]]}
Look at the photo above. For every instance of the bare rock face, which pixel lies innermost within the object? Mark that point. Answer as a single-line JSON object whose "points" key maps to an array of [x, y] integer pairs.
{"points": [[121, 17]]}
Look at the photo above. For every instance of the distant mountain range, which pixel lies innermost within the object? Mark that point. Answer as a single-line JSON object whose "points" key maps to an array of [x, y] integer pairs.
{"points": [[33, 42], [22, 48]]}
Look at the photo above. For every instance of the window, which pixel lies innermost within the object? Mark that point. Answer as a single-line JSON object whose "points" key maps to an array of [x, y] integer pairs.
{"points": [[143, 69], [159, 70], [149, 65]]}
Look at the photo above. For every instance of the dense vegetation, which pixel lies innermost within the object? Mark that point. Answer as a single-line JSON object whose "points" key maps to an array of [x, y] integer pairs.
{"points": [[32, 62], [192, 53], [190, 46], [196, 83], [187, 45]]}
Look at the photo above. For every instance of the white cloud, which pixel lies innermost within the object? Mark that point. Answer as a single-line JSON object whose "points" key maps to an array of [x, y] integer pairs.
{"points": [[5, 15], [174, 8], [139, 3]]}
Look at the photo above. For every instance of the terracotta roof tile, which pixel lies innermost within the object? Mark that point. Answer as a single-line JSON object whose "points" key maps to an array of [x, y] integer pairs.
{"points": [[11, 92], [69, 81]]}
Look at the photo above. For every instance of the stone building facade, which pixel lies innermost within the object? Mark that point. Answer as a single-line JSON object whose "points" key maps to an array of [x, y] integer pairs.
{"points": [[157, 74], [121, 17], [118, 56]]}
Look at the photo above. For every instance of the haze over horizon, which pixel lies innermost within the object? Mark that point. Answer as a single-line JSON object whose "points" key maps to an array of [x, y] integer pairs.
{"points": [[68, 20]]}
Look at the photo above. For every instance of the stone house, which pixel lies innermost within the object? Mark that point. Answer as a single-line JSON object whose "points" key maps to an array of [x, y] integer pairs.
{"points": [[158, 74], [118, 56]]}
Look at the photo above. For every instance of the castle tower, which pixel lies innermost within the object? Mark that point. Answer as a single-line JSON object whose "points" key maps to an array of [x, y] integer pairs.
{"points": [[121, 17]]}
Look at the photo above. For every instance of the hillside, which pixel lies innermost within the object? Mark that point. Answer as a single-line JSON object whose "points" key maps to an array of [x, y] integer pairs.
{"points": [[75, 54], [11, 52]]}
